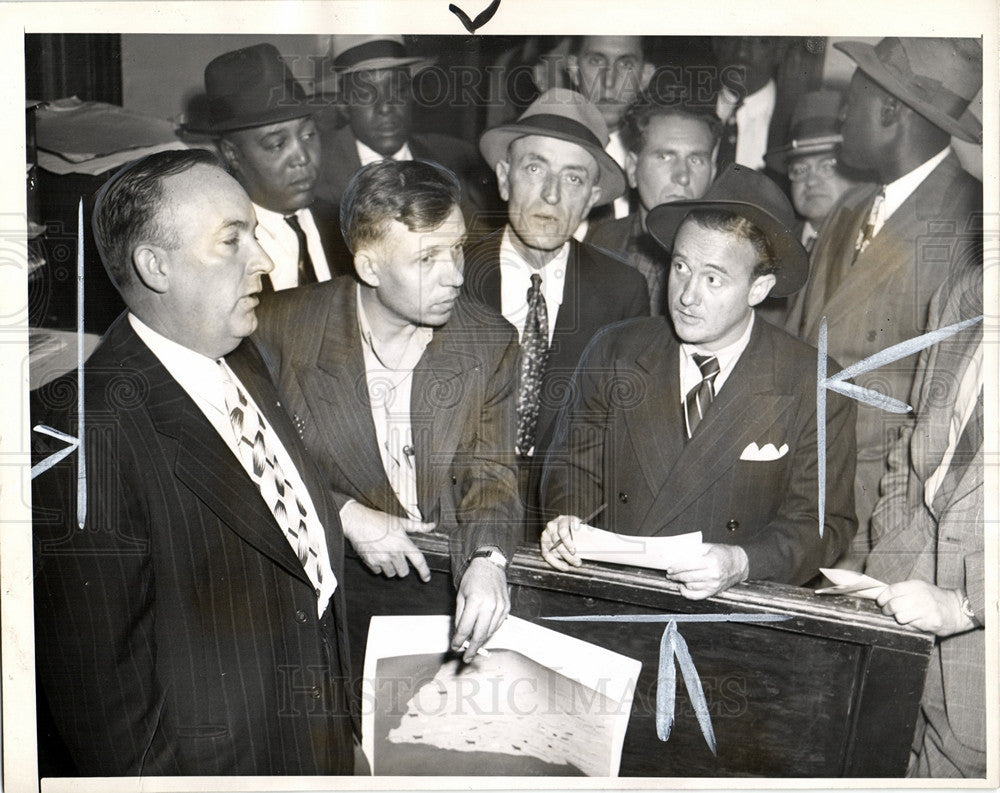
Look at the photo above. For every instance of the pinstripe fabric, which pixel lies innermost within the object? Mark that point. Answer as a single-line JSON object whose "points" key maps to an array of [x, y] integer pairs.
{"points": [[461, 412], [881, 299], [942, 544], [177, 632], [622, 441]]}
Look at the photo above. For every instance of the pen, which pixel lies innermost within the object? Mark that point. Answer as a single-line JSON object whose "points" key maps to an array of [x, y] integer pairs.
{"points": [[481, 651], [587, 519]]}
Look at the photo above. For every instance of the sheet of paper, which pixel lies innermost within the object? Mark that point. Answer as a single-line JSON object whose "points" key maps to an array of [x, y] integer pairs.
{"points": [[848, 582], [656, 553], [541, 703]]}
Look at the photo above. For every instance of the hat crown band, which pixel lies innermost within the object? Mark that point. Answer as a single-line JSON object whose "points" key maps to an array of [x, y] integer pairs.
{"points": [[371, 50], [561, 125]]}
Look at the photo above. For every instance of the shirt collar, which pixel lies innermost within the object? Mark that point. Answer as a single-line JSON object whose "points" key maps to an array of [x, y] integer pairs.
{"points": [[897, 192], [418, 341], [509, 256], [367, 155], [729, 354], [196, 373]]}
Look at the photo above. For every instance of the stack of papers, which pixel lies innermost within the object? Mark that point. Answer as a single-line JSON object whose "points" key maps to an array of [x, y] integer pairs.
{"points": [[656, 553], [847, 582]]}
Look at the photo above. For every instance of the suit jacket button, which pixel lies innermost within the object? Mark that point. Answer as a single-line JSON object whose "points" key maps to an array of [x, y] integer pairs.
{"points": [[623, 497], [733, 525], [300, 616], [315, 693], [454, 479]]}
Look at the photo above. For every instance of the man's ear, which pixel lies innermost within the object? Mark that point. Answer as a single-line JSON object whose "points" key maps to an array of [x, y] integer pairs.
{"points": [[230, 154], [760, 288], [151, 264], [503, 179], [646, 75], [631, 162], [366, 266], [890, 111], [595, 195]]}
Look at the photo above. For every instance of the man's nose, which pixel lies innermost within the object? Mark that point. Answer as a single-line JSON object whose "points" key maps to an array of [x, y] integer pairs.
{"points": [[299, 152], [689, 293], [682, 173], [259, 262], [550, 189]]}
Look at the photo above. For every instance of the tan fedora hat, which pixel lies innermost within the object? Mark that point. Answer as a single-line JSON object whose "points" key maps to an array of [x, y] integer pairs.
{"points": [[815, 129], [348, 54], [566, 115], [250, 87], [757, 198], [937, 77]]}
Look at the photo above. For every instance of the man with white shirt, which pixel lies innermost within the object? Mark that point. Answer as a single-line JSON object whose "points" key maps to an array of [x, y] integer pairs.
{"points": [[376, 84], [707, 421], [189, 617], [268, 138], [747, 98], [611, 71], [886, 247], [552, 169], [404, 391]]}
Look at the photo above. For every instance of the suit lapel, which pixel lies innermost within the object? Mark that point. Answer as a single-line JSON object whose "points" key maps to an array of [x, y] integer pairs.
{"points": [[204, 463], [568, 319], [743, 409], [336, 391]]}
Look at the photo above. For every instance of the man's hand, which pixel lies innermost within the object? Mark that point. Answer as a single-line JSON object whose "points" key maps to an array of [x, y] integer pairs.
{"points": [[925, 607], [381, 542], [482, 604], [558, 548], [716, 568]]}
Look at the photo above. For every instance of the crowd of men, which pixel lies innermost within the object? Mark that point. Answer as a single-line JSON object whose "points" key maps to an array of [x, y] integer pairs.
{"points": [[607, 314]]}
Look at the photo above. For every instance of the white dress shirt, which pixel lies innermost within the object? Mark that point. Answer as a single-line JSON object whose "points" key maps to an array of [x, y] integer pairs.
{"points": [[616, 149], [727, 358], [390, 389], [753, 122], [515, 280], [281, 243], [897, 192], [201, 377], [368, 155]]}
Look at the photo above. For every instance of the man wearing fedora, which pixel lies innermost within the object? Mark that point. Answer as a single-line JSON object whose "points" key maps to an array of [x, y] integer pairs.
{"points": [[816, 177], [552, 168], [372, 81], [707, 422], [886, 247], [268, 139]]}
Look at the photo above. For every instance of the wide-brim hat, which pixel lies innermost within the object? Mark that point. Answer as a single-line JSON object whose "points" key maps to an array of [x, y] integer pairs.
{"points": [[757, 198], [937, 77], [566, 115], [251, 87], [814, 129], [348, 54]]}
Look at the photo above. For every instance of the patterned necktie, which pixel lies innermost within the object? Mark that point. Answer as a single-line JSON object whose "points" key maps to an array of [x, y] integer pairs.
{"points": [[252, 436], [868, 231], [700, 397], [307, 273], [534, 351], [726, 155]]}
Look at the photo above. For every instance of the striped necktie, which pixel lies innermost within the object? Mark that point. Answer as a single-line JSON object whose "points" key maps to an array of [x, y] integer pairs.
{"points": [[701, 396], [867, 232]]}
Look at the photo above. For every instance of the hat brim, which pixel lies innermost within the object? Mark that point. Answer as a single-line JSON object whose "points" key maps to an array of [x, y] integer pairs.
{"points": [[777, 160], [272, 116], [494, 144], [966, 128], [791, 259], [328, 83]]}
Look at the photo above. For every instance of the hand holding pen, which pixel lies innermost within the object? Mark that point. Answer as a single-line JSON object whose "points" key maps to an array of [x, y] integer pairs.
{"points": [[557, 544]]}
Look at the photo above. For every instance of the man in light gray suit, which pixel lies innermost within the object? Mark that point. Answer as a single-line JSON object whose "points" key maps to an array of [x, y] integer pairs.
{"points": [[928, 531]]}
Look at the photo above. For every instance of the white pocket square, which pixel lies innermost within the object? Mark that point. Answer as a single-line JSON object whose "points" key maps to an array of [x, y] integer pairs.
{"points": [[763, 455]]}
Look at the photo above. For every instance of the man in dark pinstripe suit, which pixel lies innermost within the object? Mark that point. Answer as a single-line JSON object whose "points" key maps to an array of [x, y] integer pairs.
{"points": [[179, 632]]}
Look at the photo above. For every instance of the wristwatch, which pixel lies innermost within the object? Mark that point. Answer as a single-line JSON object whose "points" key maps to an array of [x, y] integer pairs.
{"points": [[492, 554]]}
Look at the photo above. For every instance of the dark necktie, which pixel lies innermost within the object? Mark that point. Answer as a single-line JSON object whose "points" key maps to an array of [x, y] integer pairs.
{"points": [[307, 273], [726, 155], [868, 230], [700, 397], [534, 351]]}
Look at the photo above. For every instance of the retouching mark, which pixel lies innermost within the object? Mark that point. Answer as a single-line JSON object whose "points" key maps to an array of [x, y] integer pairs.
{"points": [[672, 645], [472, 25], [673, 618], [77, 442], [864, 395]]}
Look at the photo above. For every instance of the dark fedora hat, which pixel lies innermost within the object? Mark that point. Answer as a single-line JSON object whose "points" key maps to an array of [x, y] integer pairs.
{"points": [[566, 115], [937, 77], [815, 129], [758, 199], [251, 87]]}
